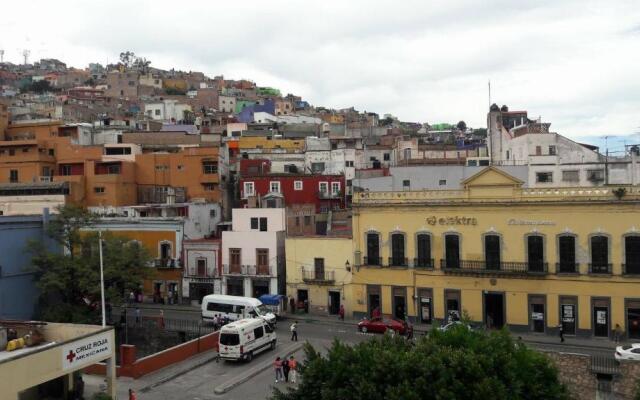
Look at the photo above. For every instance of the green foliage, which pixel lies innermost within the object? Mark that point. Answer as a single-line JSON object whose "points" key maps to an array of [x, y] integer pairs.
{"points": [[458, 364], [461, 125], [637, 395], [69, 282], [42, 86], [101, 396]]}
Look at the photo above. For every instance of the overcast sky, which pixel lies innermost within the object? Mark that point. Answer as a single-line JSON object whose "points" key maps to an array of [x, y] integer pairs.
{"points": [[575, 63]]}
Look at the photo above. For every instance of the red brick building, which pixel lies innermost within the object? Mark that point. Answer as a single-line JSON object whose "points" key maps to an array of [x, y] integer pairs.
{"points": [[325, 192]]}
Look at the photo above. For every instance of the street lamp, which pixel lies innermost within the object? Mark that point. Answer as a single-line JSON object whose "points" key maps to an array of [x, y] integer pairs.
{"points": [[104, 320], [347, 266]]}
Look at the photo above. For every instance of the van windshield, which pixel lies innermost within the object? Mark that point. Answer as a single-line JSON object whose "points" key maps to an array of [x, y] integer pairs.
{"points": [[229, 339], [262, 309]]}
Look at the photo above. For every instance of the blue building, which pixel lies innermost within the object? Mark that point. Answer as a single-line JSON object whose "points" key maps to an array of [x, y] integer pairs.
{"points": [[246, 115], [18, 292]]}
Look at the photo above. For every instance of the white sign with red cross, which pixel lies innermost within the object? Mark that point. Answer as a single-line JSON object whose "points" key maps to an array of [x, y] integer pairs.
{"points": [[87, 351]]}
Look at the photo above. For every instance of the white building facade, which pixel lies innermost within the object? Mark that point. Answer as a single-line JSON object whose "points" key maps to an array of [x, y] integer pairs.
{"points": [[253, 259]]}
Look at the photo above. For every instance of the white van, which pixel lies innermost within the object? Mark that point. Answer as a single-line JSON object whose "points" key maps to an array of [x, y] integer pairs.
{"points": [[242, 339], [234, 308]]}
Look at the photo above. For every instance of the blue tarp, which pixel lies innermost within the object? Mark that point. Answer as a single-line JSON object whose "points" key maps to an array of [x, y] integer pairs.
{"points": [[270, 299]]}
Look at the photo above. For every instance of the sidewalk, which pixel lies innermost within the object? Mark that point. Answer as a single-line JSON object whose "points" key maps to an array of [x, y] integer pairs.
{"points": [[93, 383]]}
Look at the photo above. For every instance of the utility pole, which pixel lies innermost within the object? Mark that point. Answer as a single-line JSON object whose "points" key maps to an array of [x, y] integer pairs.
{"points": [[606, 161], [1, 56], [104, 318]]}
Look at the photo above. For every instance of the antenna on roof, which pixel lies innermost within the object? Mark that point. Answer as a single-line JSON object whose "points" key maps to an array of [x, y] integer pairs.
{"points": [[1, 56], [25, 54], [489, 93]]}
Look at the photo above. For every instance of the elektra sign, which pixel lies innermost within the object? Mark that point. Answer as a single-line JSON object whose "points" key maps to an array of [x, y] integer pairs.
{"points": [[433, 220]]}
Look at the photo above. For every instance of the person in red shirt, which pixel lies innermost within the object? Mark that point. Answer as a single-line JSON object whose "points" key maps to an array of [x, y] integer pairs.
{"points": [[132, 395], [293, 367]]}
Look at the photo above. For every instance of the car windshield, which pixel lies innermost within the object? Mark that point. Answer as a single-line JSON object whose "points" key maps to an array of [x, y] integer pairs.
{"points": [[262, 310], [229, 339], [626, 347]]}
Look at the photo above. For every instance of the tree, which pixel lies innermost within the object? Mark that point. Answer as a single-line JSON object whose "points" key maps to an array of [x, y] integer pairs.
{"points": [[42, 86], [142, 64], [69, 281], [458, 364], [127, 58], [461, 125]]}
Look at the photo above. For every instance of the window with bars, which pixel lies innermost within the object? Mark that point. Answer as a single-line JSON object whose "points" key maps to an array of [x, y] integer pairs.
{"points": [[424, 250], [599, 253], [318, 265], [235, 257], [262, 257], [452, 251]]}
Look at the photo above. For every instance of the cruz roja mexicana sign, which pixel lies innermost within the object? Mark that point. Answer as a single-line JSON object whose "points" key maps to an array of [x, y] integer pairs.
{"points": [[87, 351]]}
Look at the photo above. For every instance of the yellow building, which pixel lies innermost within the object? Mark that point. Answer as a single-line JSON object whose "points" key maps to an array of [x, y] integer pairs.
{"points": [[318, 270], [531, 259]]}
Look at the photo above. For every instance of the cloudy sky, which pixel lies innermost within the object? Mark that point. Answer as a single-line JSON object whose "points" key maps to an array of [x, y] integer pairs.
{"points": [[575, 63]]}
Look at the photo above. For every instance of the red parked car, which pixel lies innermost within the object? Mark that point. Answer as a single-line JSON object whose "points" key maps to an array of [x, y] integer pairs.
{"points": [[381, 325]]}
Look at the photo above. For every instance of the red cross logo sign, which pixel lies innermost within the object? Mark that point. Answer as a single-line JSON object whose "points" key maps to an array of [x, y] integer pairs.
{"points": [[71, 356]]}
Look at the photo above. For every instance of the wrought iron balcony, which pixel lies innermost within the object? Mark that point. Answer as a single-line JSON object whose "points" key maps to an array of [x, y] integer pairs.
{"points": [[234, 269], [600, 268], [497, 267], [318, 277], [398, 262], [631, 269], [567, 268], [423, 263], [374, 261], [329, 195], [258, 270]]}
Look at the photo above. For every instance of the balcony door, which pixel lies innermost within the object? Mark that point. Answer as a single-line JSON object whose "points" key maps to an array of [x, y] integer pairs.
{"points": [[424, 250], [492, 251], [599, 254], [373, 249], [535, 253], [452, 251], [567, 254], [397, 249], [235, 261], [318, 265], [202, 267], [262, 261], [632, 254]]}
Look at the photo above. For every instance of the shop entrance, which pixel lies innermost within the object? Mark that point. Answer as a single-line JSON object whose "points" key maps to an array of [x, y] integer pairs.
{"points": [[260, 287], [494, 310], [373, 300], [633, 321], [600, 318]]}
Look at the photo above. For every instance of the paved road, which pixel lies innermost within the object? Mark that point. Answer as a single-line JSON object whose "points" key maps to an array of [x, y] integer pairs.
{"points": [[199, 383]]}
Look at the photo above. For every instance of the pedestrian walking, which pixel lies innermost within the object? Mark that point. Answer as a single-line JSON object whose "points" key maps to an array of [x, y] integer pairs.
{"points": [[617, 333], [306, 306], [293, 368], [132, 297], [375, 313], [161, 319], [132, 395], [216, 322], [137, 315], [561, 331], [285, 369], [294, 331], [341, 312], [277, 366]]}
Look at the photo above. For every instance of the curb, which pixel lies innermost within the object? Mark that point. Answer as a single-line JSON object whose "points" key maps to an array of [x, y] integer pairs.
{"points": [[180, 373], [144, 306], [226, 387]]}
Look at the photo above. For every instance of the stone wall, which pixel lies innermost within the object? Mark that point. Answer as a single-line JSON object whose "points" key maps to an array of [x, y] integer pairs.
{"points": [[575, 371]]}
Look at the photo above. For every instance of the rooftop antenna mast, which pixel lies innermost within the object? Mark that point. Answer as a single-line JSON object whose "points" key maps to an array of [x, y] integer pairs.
{"points": [[489, 93], [25, 54], [1, 56]]}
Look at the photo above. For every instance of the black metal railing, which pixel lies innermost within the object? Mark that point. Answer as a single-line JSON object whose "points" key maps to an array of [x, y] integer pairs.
{"points": [[426, 263], [166, 263], [398, 261], [567, 268], [373, 261], [631, 269], [600, 268], [481, 266], [312, 276]]}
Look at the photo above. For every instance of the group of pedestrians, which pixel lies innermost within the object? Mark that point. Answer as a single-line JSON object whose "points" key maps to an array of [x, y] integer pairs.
{"points": [[219, 321], [286, 369]]}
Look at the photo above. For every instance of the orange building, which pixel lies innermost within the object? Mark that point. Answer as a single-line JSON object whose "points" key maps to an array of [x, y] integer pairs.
{"points": [[45, 152]]}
